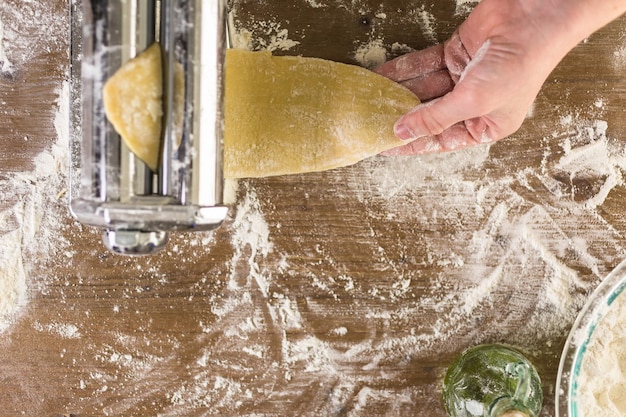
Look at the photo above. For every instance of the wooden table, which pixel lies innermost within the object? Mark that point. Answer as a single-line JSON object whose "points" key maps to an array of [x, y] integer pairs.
{"points": [[338, 293]]}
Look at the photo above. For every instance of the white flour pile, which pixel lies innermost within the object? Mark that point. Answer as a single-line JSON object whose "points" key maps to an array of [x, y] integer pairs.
{"points": [[602, 380]]}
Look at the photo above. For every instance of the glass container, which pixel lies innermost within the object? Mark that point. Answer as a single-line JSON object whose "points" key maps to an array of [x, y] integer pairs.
{"points": [[492, 381]]}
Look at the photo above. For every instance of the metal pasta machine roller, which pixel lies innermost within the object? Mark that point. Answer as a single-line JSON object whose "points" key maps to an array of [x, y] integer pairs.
{"points": [[110, 187]]}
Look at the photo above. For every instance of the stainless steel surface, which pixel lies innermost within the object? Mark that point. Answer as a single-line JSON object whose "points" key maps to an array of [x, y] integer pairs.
{"points": [[109, 184], [133, 243]]}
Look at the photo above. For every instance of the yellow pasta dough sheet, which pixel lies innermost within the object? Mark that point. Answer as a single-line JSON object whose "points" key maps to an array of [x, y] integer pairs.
{"points": [[133, 102], [283, 115], [287, 115]]}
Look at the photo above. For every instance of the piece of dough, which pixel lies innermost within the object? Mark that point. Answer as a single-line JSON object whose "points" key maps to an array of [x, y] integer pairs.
{"points": [[284, 115], [287, 115], [133, 103], [132, 100]]}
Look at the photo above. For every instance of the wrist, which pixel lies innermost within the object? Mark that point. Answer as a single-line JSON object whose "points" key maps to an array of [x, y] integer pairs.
{"points": [[584, 17], [541, 31], [569, 22]]}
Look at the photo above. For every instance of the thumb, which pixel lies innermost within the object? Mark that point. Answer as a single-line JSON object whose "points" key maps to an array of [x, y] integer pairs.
{"points": [[434, 117]]}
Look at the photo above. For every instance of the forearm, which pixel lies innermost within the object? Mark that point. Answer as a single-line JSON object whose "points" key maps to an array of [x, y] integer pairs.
{"points": [[544, 21], [584, 17], [542, 31], [569, 22]]}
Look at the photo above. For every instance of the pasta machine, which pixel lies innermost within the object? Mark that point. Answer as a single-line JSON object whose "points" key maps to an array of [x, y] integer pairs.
{"points": [[110, 188]]}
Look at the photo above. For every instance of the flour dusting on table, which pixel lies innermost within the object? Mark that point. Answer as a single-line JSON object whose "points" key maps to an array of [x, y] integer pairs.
{"points": [[264, 35], [464, 7], [371, 54], [5, 65], [29, 228], [22, 35]]}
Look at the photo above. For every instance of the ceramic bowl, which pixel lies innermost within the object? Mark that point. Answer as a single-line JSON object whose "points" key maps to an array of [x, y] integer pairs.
{"points": [[599, 303]]}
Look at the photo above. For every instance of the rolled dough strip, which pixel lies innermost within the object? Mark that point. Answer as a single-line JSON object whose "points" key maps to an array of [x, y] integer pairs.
{"points": [[284, 115], [287, 115], [132, 100], [133, 103]]}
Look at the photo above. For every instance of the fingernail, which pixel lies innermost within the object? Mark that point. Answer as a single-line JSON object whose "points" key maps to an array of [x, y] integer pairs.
{"points": [[403, 132]]}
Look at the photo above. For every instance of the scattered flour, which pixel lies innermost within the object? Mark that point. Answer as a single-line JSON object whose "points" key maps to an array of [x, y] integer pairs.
{"points": [[64, 330], [315, 4], [375, 52], [517, 234], [251, 234], [464, 7], [12, 276], [263, 35], [398, 48], [27, 232], [372, 54], [5, 65], [21, 35], [619, 58], [427, 23]]}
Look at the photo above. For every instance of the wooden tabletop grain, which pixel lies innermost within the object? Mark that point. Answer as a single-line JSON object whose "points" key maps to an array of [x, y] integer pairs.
{"points": [[346, 292]]}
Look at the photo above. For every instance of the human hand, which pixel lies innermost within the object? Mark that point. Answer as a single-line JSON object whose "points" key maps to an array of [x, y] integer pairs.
{"points": [[479, 85]]}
